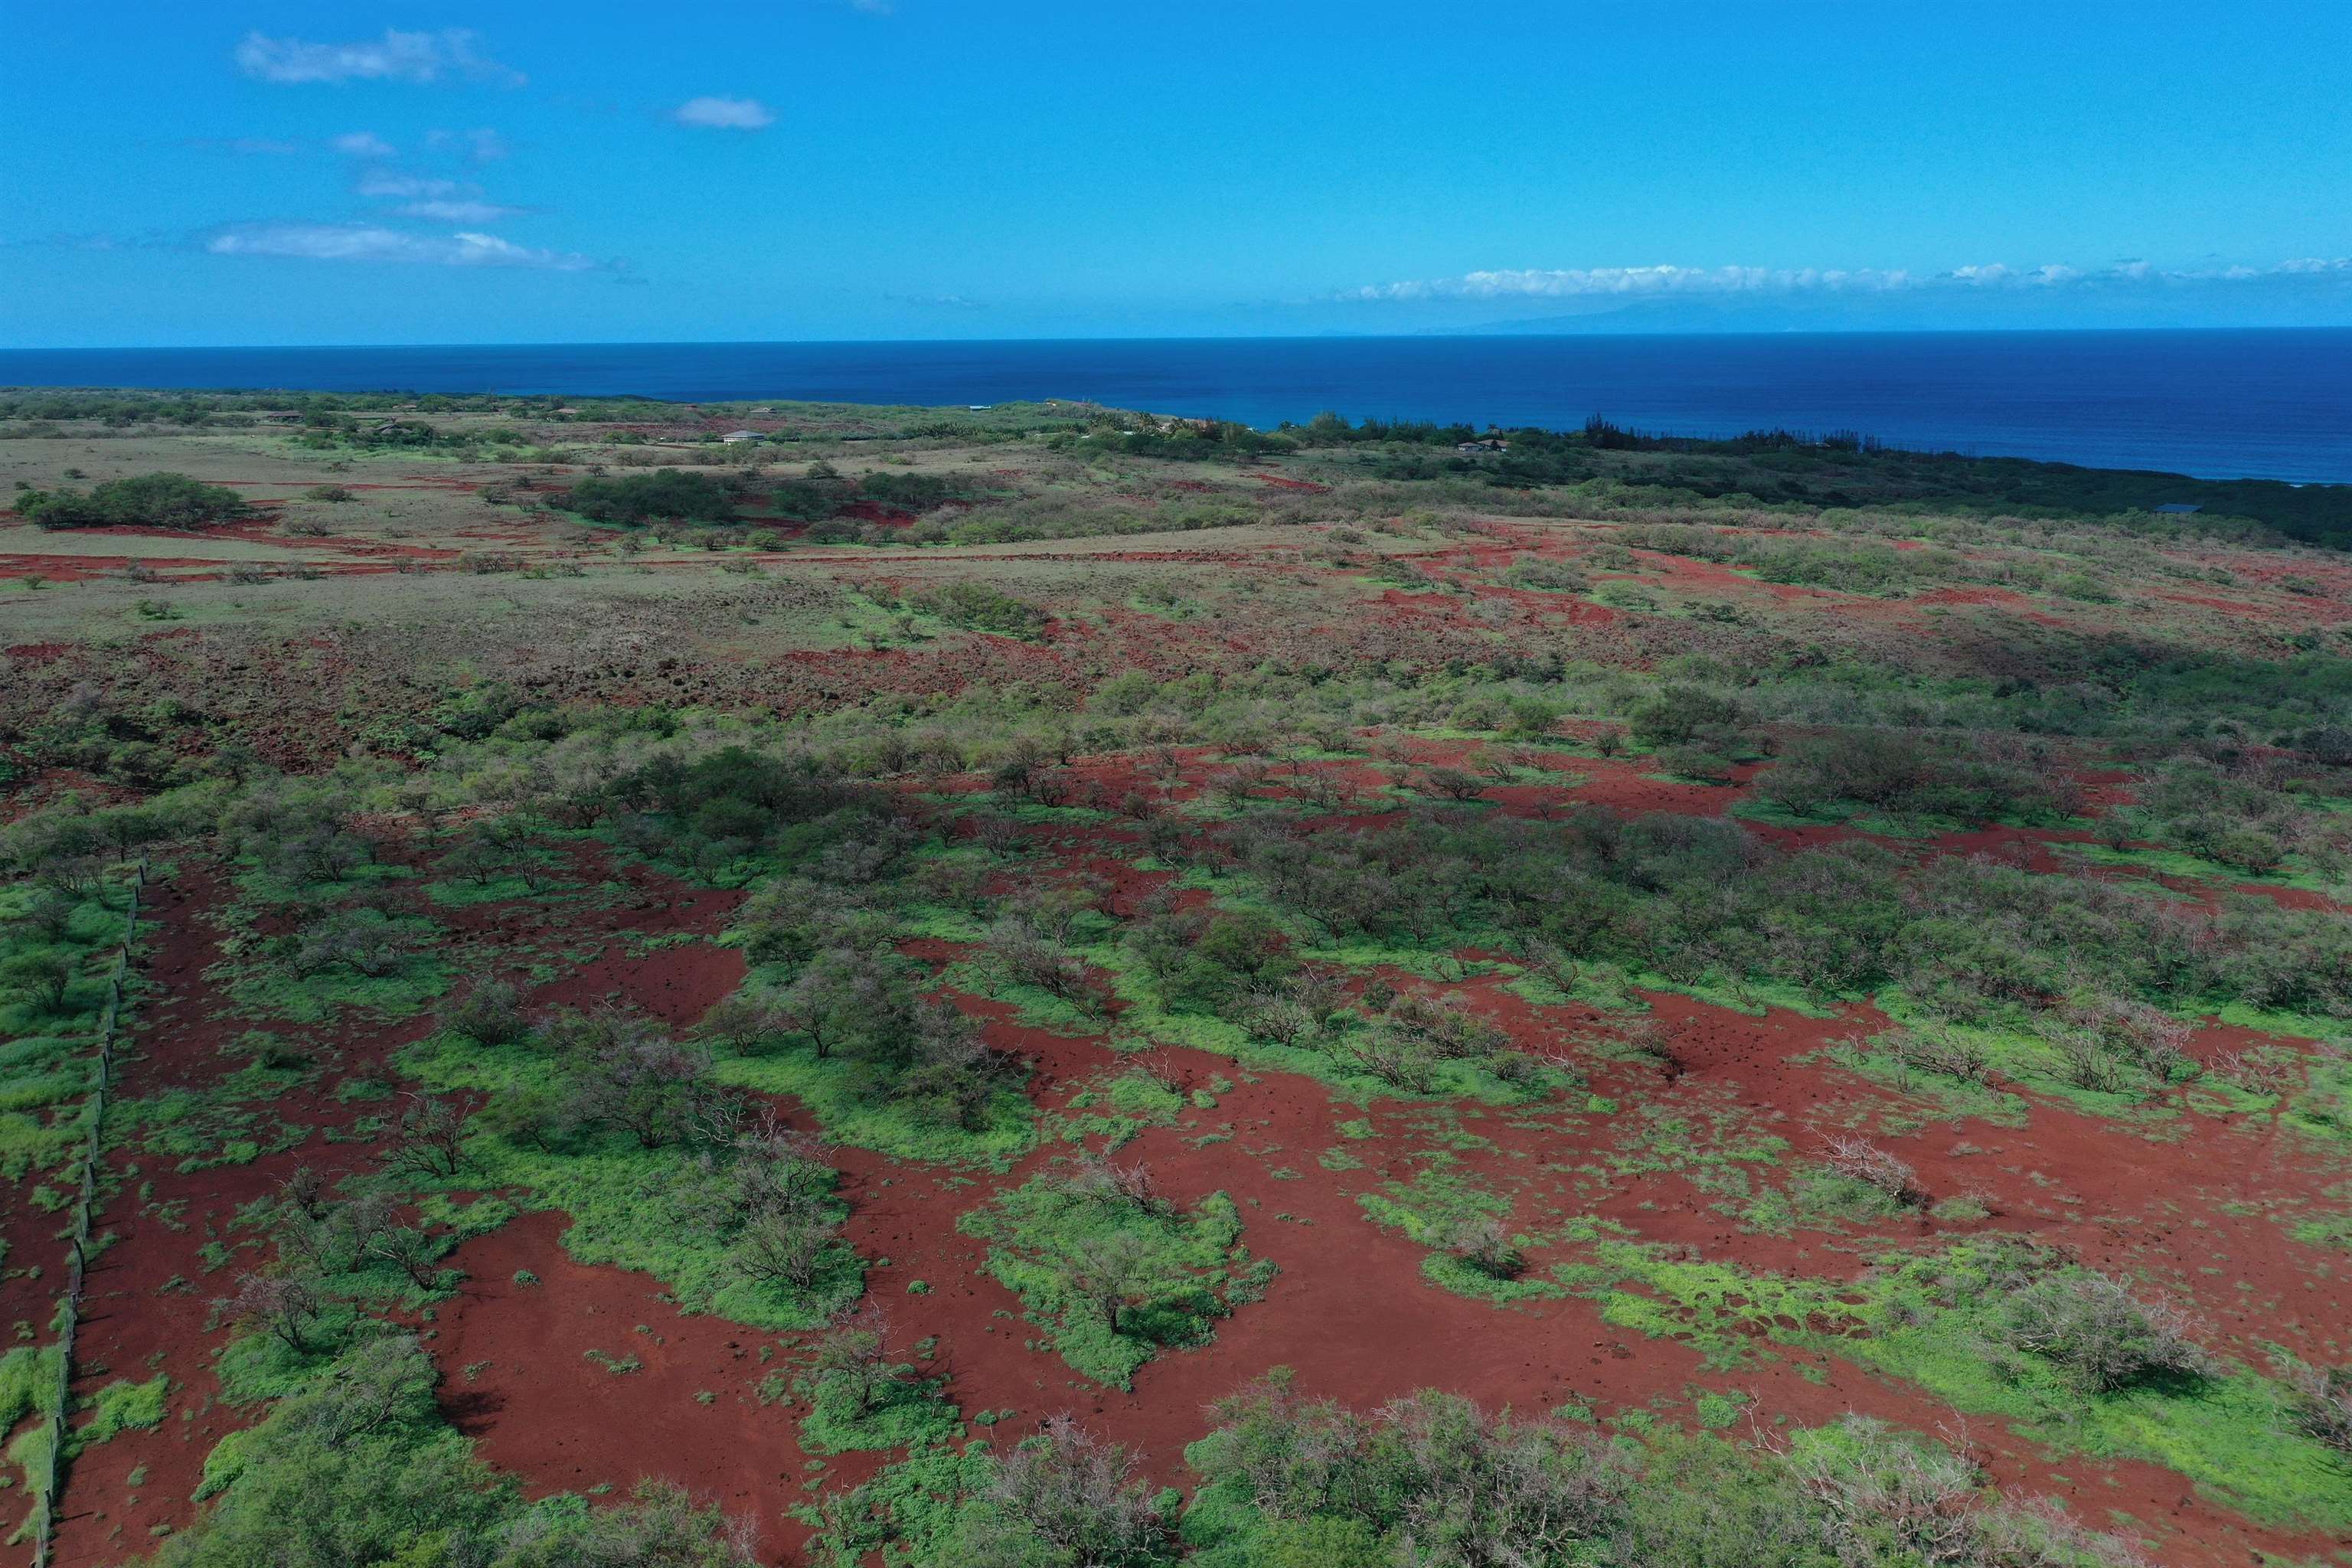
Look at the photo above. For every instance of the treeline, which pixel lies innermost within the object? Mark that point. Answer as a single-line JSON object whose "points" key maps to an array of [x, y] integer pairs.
{"points": [[1149, 436], [818, 496], [1837, 469], [124, 407], [132, 405], [1596, 433]]}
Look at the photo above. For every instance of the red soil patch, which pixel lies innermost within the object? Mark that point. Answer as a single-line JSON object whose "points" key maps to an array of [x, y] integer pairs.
{"points": [[2019, 846], [62, 568], [1690, 571], [256, 527], [1352, 1315], [2330, 576], [1607, 782], [1966, 595], [2285, 897], [1349, 1312], [518, 1380], [874, 512], [2238, 609], [674, 984], [1282, 483]]}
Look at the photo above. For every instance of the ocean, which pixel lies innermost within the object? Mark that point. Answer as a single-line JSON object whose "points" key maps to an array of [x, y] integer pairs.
{"points": [[2213, 404]]}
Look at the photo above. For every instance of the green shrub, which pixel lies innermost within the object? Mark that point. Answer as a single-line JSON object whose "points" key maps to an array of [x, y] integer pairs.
{"points": [[147, 501], [983, 608], [665, 494], [1115, 1272]]}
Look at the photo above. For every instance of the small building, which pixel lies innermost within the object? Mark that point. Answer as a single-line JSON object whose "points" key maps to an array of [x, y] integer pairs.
{"points": [[2178, 508], [740, 435], [1487, 443]]}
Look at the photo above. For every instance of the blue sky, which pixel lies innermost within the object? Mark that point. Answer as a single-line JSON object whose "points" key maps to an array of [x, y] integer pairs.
{"points": [[482, 173]]}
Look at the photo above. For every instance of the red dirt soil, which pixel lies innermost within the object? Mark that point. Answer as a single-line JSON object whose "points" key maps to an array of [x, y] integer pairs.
{"points": [[146, 1307], [1350, 1310], [518, 1381]]}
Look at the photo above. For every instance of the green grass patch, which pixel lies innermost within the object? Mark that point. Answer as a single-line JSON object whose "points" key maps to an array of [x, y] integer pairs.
{"points": [[123, 1406], [1932, 1320], [265, 981], [643, 1209], [833, 1093], [2182, 865], [1118, 1110], [1115, 1279], [231, 1121], [1943, 1096], [902, 1412]]}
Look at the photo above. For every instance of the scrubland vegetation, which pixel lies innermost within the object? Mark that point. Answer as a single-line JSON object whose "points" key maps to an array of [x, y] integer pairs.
{"points": [[1184, 995]]}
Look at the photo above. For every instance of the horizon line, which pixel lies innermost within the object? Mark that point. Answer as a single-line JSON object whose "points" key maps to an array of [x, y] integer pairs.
{"points": [[1439, 334]]}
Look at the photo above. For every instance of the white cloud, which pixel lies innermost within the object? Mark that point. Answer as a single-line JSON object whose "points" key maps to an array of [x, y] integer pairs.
{"points": [[393, 187], [421, 57], [373, 242], [1627, 282], [364, 145], [482, 144], [458, 211], [1573, 282], [725, 114], [435, 200], [2001, 275]]}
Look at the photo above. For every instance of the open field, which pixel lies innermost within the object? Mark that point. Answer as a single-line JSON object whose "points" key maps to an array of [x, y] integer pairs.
{"points": [[1047, 986]]}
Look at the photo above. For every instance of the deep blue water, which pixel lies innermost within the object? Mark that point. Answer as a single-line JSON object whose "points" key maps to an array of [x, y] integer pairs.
{"points": [[2220, 404]]}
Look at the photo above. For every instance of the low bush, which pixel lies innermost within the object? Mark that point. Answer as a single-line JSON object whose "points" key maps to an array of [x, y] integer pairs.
{"points": [[146, 501], [2099, 1335]]}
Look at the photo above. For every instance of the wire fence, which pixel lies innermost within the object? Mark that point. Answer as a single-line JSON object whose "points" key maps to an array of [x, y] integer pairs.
{"points": [[46, 1473]]}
